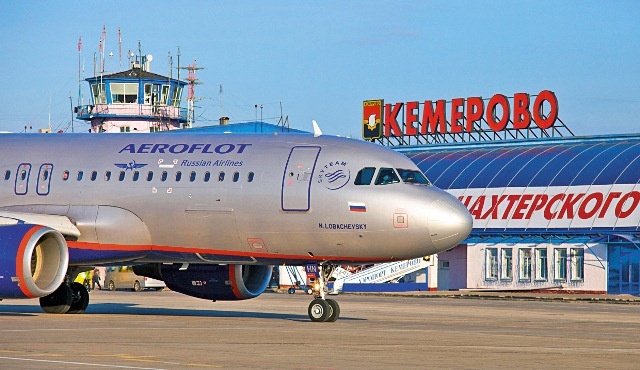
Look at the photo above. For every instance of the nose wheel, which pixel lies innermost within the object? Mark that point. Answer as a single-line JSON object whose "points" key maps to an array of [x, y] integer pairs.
{"points": [[322, 309]]}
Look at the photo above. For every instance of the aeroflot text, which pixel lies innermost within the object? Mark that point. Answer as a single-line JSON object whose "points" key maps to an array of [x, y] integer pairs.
{"points": [[553, 207], [184, 148]]}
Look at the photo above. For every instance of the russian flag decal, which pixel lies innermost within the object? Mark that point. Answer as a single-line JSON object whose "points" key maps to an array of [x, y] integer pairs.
{"points": [[357, 207]]}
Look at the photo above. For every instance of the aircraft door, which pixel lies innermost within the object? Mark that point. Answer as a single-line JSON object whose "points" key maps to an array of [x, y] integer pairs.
{"points": [[296, 180], [22, 179], [44, 179]]}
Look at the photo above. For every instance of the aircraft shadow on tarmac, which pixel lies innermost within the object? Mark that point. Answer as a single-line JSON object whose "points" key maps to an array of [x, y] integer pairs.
{"points": [[133, 309]]}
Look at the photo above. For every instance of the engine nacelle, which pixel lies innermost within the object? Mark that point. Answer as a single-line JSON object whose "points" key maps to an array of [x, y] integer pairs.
{"points": [[33, 260], [214, 282]]}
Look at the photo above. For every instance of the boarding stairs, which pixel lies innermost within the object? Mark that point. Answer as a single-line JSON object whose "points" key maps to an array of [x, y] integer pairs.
{"points": [[379, 273]]}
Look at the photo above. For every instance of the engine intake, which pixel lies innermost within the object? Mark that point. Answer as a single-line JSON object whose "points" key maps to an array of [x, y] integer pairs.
{"points": [[33, 260]]}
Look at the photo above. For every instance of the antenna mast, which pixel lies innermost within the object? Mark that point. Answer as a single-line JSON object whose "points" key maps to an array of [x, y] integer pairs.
{"points": [[120, 48], [192, 82]]}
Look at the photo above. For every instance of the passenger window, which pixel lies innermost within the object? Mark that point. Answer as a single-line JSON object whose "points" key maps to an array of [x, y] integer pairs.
{"points": [[164, 176], [150, 176], [122, 175], [65, 175], [207, 176], [178, 176], [413, 177], [221, 176], [236, 176], [94, 175], [192, 176], [136, 175], [250, 177], [45, 175], [365, 176], [80, 174], [387, 176], [23, 175], [107, 175], [7, 175]]}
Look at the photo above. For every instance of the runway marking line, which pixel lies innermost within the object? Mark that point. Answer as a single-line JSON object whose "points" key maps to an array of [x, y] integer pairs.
{"points": [[78, 363]]}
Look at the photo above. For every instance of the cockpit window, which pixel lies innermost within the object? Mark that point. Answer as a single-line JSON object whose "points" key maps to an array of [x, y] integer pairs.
{"points": [[387, 176], [365, 176], [413, 177]]}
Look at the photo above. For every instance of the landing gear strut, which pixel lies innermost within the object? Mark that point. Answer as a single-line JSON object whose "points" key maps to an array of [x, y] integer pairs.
{"points": [[322, 309]]}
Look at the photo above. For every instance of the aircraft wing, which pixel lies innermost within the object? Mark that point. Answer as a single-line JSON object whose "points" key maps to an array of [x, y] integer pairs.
{"points": [[62, 224]]}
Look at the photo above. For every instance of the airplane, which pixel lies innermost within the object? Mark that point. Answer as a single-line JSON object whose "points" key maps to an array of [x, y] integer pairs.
{"points": [[209, 214]]}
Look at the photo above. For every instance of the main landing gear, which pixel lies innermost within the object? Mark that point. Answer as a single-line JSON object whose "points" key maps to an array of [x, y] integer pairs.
{"points": [[68, 298], [322, 309]]}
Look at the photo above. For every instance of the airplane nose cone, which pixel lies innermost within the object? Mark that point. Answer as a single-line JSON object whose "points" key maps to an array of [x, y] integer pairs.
{"points": [[449, 222]]}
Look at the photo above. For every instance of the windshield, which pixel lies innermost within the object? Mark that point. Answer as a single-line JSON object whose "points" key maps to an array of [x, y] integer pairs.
{"points": [[386, 176], [413, 177]]}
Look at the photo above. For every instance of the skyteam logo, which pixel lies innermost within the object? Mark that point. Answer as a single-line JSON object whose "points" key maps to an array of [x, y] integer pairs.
{"points": [[334, 175]]}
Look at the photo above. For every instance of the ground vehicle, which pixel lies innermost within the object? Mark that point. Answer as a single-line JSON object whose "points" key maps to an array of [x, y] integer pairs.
{"points": [[122, 277]]}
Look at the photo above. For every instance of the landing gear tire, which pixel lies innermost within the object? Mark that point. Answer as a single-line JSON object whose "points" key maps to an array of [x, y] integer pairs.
{"points": [[59, 301], [319, 310], [79, 298], [335, 310]]}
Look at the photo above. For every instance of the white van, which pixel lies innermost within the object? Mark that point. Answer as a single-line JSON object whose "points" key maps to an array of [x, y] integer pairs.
{"points": [[122, 277]]}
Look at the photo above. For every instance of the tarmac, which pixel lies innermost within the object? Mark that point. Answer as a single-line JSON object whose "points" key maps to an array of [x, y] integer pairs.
{"points": [[167, 330]]}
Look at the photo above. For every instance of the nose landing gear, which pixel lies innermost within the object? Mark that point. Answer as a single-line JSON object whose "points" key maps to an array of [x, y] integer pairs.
{"points": [[322, 309]]}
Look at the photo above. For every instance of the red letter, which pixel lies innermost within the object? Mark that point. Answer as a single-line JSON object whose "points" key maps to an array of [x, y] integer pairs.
{"points": [[569, 205], [538, 203], [491, 112], [411, 118], [475, 110], [547, 211], [583, 213], [476, 208], [521, 115], [607, 203], [538, 116], [456, 115], [636, 198], [512, 199], [391, 127], [522, 205], [431, 120]]}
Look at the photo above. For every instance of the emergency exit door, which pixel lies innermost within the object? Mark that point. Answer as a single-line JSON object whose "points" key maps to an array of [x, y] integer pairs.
{"points": [[297, 177]]}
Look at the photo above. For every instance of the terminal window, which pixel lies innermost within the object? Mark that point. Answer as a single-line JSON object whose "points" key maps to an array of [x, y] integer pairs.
{"points": [[541, 264], [525, 264], [577, 264], [560, 257], [506, 266], [491, 264]]}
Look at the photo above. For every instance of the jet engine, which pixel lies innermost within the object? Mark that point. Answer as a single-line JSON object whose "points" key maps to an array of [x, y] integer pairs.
{"points": [[214, 282], [33, 260]]}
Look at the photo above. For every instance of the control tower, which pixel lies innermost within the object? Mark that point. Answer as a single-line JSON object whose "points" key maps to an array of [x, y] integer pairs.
{"points": [[135, 100]]}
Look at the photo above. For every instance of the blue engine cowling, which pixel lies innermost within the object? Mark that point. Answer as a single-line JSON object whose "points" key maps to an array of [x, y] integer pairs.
{"points": [[33, 260], [214, 282]]}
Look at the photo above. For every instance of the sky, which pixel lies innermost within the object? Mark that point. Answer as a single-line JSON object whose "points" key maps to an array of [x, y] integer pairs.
{"points": [[319, 60]]}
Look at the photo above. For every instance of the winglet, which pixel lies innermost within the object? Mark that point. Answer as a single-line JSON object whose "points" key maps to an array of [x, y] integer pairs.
{"points": [[316, 129]]}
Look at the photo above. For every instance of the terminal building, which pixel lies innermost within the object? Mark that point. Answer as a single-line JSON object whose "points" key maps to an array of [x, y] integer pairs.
{"points": [[551, 211]]}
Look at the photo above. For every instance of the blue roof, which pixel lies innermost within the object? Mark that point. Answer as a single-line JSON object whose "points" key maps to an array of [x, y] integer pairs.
{"points": [[245, 128], [596, 160]]}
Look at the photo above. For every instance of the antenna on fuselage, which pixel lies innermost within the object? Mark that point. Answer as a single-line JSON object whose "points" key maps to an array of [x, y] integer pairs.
{"points": [[316, 128]]}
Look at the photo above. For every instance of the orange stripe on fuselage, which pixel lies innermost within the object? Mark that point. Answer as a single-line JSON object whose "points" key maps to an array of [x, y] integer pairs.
{"points": [[182, 249], [20, 261]]}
